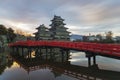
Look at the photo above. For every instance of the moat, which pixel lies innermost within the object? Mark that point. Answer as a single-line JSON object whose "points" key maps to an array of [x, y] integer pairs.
{"points": [[76, 68]]}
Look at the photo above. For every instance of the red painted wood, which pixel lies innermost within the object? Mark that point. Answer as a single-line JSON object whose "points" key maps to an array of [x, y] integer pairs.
{"points": [[109, 49]]}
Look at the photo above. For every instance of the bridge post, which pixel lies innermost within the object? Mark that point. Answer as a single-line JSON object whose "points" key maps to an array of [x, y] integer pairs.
{"points": [[29, 52], [17, 50], [40, 52], [67, 54], [22, 52], [89, 55], [62, 55], [36, 52], [46, 53], [13, 50], [94, 60], [89, 61], [51, 57]]}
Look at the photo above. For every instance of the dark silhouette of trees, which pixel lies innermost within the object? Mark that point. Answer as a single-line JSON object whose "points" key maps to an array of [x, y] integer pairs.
{"points": [[3, 30], [99, 36], [109, 36], [10, 35]]}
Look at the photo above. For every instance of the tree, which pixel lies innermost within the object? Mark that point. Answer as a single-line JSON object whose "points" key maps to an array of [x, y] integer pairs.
{"points": [[3, 30], [99, 36], [2, 41], [109, 36], [10, 34]]}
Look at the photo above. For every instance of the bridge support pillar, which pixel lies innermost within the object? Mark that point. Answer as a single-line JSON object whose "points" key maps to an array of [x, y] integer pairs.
{"points": [[40, 53], [51, 55], [36, 52], [12, 50], [90, 55], [29, 53], [62, 55], [89, 61], [17, 50], [46, 53], [67, 54], [94, 60], [22, 52]]}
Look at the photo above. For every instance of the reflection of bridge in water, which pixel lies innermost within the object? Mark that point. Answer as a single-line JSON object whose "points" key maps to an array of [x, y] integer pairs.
{"points": [[79, 72]]}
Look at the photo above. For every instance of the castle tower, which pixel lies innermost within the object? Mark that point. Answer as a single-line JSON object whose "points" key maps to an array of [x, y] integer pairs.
{"points": [[59, 32]]}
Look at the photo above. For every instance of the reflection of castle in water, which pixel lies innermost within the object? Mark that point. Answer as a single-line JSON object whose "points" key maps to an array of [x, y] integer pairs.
{"points": [[58, 68]]}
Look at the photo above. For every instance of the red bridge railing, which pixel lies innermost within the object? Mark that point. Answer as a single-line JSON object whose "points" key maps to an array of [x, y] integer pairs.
{"points": [[107, 49]]}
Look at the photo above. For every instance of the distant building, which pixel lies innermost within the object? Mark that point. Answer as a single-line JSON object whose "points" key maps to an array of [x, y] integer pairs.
{"points": [[117, 39], [59, 31], [43, 33], [103, 37], [93, 38], [75, 37]]}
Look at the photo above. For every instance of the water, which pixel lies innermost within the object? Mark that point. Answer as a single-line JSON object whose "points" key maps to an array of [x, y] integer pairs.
{"points": [[14, 70], [78, 58]]}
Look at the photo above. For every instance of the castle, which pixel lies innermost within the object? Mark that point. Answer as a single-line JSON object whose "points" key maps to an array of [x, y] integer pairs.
{"points": [[58, 31]]}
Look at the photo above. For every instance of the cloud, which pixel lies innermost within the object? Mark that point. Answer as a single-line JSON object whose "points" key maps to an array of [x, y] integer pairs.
{"points": [[96, 14], [90, 13], [81, 14]]}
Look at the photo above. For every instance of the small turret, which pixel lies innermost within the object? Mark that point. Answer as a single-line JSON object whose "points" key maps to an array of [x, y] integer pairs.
{"points": [[43, 33]]}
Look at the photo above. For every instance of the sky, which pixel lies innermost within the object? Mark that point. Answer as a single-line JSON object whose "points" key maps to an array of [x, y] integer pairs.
{"points": [[82, 17]]}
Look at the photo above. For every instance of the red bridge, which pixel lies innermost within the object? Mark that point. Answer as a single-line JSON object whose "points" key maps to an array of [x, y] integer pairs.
{"points": [[112, 50], [90, 49]]}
